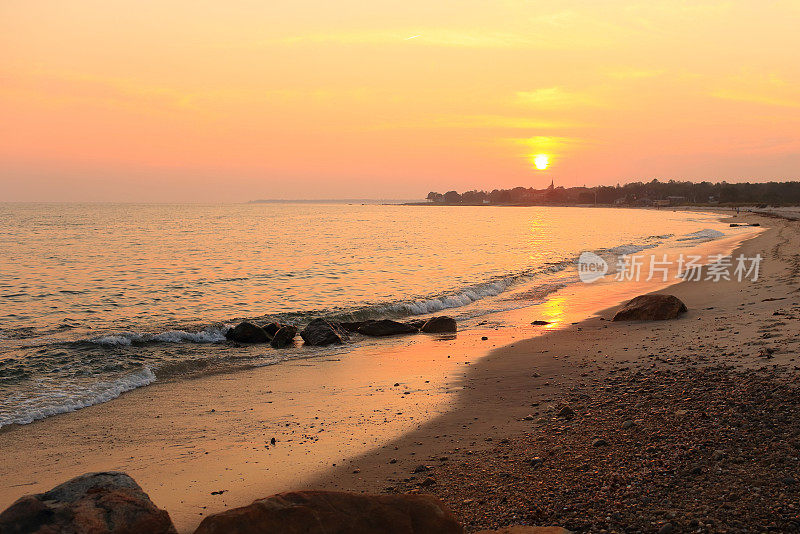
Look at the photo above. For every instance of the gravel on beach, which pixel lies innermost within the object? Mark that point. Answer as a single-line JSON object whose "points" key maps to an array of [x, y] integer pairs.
{"points": [[695, 449]]}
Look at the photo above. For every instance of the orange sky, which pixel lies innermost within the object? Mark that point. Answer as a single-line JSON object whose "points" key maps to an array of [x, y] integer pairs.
{"points": [[202, 101]]}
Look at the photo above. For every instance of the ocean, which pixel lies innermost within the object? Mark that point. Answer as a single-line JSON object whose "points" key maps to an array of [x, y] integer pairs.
{"points": [[99, 299]]}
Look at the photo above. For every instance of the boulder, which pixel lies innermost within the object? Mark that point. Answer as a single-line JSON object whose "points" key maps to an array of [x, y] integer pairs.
{"points": [[416, 323], [353, 326], [386, 327], [271, 328], [520, 529], [440, 325], [651, 308], [283, 336], [330, 512], [323, 332], [247, 333], [94, 503]]}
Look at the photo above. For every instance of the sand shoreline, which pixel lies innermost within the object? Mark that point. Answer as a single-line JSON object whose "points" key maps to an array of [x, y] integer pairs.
{"points": [[214, 434], [483, 457]]}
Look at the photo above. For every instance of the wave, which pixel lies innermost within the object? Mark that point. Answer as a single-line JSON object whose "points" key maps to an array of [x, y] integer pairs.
{"points": [[706, 234], [624, 250], [59, 400], [466, 295], [395, 310], [212, 334]]}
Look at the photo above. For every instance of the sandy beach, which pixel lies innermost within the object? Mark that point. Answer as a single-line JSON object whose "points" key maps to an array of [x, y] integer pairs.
{"points": [[474, 421], [695, 418]]}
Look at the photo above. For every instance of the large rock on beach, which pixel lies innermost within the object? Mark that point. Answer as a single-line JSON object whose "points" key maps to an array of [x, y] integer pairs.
{"points": [[416, 323], [247, 333], [386, 327], [94, 503], [440, 325], [329, 512], [651, 308], [323, 332], [353, 326], [284, 336], [272, 328]]}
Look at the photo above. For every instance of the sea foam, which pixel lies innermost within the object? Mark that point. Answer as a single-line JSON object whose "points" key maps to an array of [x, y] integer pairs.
{"points": [[64, 399], [212, 334], [706, 234]]}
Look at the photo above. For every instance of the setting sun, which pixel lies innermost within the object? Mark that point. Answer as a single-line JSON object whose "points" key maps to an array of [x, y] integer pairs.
{"points": [[541, 161]]}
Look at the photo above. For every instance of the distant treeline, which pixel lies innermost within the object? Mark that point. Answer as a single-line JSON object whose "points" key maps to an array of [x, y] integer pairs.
{"points": [[635, 193]]}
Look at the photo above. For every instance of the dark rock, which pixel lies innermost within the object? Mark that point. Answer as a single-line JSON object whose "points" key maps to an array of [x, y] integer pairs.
{"points": [[271, 328], [628, 423], [651, 308], [353, 326], [247, 333], [539, 322], [566, 413], [323, 332], [416, 323], [386, 327], [283, 336], [440, 325], [600, 443], [329, 512], [420, 468], [94, 503]]}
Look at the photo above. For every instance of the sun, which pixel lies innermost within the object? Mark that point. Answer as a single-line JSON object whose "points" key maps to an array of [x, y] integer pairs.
{"points": [[541, 161]]}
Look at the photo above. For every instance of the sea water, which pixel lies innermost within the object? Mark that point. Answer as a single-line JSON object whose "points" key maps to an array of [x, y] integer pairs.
{"points": [[99, 299]]}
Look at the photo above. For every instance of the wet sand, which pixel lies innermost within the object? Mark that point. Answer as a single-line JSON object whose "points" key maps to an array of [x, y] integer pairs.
{"points": [[339, 422]]}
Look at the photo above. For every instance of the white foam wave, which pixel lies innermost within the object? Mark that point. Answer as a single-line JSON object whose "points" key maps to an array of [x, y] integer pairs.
{"points": [[702, 235], [63, 399], [466, 296], [624, 250], [211, 334]]}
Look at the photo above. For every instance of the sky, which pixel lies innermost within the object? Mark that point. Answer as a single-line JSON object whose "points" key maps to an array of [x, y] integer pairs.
{"points": [[147, 100]]}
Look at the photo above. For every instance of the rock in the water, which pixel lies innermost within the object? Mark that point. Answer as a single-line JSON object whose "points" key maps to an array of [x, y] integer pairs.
{"points": [[271, 328], [539, 322], [353, 326], [416, 323], [323, 332], [651, 308], [94, 503], [329, 512], [440, 325], [283, 336], [386, 327], [247, 333]]}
